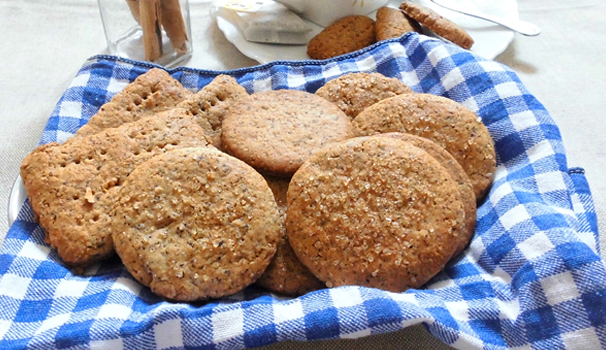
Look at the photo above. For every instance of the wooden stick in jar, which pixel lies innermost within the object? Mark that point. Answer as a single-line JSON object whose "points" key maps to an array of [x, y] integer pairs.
{"points": [[134, 8], [174, 25], [150, 18]]}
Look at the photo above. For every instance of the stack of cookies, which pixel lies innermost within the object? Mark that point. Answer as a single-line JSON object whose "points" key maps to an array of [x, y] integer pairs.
{"points": [[143, 179], [356, 32], [364, 182]]}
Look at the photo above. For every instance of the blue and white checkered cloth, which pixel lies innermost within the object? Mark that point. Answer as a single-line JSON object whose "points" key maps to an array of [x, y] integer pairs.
{"points": [[532, 277]]}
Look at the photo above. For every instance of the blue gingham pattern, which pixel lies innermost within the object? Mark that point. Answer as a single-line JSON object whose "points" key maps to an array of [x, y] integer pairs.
{"points": [[531, 277]]}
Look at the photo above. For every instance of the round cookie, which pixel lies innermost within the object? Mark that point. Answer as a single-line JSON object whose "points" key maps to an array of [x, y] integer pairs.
{"points": [[373, 211], [346, 35], [445, 122], [438, 24], [457, 174], [275, 131], [195, 223], [354, 92], [286, 274]]}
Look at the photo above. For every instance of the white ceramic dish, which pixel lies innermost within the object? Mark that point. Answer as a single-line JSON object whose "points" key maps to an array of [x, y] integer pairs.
{"points": [[490, 39], [15, 200], [260, 52], [324, 13]]}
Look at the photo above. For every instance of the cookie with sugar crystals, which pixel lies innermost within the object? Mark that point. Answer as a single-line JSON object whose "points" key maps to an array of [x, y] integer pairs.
{"points": [[73, 187], [196, 223], [275, 131], [373, 211], [438, 24], [152, 92], [346, 35], [286, 274], [446, 122], [354, 92], [457, 174]]}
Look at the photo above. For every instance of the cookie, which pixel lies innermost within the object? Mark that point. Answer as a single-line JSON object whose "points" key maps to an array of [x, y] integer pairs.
{"points": [[354, 92], [210, 104], [346, 35], [373, 211], [286, 274], [275, 131], [445, 122], [152, 92], [196, 223], [457, 174], [73, 187], [393, 23], [438, 24]]}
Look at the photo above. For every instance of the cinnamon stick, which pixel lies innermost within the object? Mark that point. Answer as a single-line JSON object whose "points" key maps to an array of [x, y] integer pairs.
{"points": [[174, 25], [134, 8], [150, 19]]}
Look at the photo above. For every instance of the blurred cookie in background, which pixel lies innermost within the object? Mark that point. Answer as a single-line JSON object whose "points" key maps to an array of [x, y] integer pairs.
{"points": [[393, 23]]}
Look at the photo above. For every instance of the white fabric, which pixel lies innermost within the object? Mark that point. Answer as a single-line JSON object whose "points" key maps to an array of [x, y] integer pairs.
{"points": [[46, 42]]}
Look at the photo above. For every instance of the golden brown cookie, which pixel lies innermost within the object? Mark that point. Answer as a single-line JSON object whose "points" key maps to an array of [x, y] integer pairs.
{"points": [[445, 122], [152, 92], [457, 174], [211, 103], [73, 187], [373, 211], [275, 131], [346, 35], [393, 23], [354, 92], [438, 24], [286, 274], [196, 223]]}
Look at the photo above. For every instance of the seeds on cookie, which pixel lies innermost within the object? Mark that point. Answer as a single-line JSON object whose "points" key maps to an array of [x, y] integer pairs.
{"points": [[196, 223], [275, 131], [73, 187]]}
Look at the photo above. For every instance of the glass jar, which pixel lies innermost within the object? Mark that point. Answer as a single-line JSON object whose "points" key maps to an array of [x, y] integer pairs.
{"points": [[156, 31]]}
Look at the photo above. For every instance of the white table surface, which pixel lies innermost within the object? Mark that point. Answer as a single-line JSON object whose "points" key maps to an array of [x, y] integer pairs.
{"points": [[46, 42]]}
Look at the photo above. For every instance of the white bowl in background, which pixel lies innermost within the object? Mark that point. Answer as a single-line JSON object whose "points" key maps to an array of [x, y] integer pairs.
{"points": [[326, 12]]}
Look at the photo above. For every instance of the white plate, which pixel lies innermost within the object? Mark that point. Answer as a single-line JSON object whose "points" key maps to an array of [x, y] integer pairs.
{"points": [[15, 200], [260, 52], [490, 39]]}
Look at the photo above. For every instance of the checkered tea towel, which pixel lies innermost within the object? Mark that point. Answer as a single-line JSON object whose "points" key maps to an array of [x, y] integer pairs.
{"points": [[532, 277]]}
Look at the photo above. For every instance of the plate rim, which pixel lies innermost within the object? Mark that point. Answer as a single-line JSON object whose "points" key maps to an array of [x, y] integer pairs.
{"points": [[15, 200]]}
